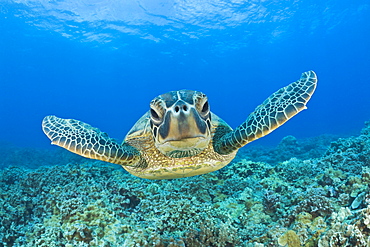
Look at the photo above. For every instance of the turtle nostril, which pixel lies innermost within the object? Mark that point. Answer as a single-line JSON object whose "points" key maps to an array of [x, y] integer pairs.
{"points": [[184, 107], [177, 109]]}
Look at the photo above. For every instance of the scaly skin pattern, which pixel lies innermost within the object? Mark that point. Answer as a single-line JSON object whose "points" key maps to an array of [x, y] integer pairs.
{"points": [[271, 114], [87, 141]]}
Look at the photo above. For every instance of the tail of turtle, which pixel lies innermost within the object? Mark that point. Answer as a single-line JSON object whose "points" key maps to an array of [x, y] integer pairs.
{"points": [[271, 114]]}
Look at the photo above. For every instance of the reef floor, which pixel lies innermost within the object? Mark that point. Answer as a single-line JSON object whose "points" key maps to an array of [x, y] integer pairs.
{"points": [[300, 193]]}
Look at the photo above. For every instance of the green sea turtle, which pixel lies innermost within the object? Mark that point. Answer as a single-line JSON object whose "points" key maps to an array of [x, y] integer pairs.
{"points": [[179, 136]]}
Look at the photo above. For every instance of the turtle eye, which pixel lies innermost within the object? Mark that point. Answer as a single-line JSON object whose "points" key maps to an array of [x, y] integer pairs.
{"points": [[154, 115], [205, 108]]}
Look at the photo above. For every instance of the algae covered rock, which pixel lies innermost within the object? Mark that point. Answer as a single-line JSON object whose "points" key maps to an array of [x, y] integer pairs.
{"points": [[322, 201], [290, 239]]}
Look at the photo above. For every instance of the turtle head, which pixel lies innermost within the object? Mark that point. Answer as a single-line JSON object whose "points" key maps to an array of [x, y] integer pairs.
{"points": [[180, 123]]}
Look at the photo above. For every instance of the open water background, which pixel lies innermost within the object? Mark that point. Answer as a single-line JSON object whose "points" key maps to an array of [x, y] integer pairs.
{"points": [[103, 61]]}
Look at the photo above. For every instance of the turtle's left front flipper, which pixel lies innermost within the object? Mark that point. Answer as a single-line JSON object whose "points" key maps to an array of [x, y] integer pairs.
{"points": [[272, 113], [83, 139]]}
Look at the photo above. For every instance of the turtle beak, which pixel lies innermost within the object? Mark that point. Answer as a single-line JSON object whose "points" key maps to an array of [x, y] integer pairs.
{"points": [[182, 130], [182, 123]]}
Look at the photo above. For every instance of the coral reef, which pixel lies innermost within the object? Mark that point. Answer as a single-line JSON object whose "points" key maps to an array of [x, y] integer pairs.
{"points": [[10, 155], [302, 197], [289, 146]]}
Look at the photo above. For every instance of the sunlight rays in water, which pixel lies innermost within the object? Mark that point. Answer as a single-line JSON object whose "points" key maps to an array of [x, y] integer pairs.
{"points": [[225, 23]]}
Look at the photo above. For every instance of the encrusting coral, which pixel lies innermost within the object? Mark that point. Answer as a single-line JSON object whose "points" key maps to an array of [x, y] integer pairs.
{"points": [[322, 201]]}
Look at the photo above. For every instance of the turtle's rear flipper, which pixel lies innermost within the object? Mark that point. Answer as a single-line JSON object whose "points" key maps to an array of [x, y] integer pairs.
{"points": [[272, 113], [89, 142]]}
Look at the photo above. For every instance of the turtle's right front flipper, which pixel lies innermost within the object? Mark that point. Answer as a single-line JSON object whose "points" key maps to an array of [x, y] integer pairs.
{"points": [[89, 142], [271, 114]]}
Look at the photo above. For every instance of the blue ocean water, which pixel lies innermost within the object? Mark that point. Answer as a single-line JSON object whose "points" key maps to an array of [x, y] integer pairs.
{"points": [[103, 61]]}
